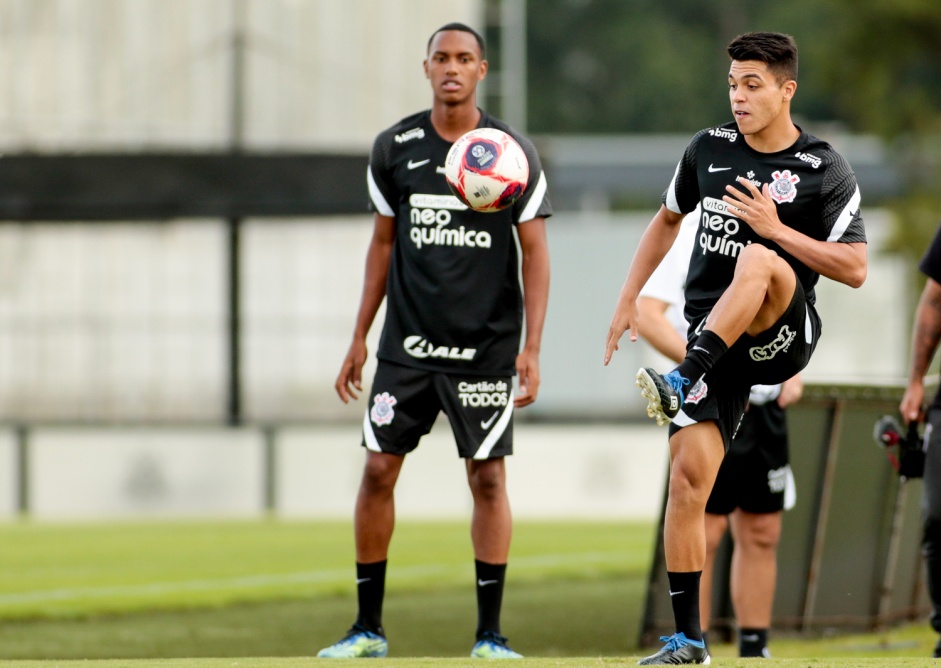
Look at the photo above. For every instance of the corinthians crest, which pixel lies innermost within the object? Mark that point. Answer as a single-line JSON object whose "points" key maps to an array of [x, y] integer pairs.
{"points": [[382, 412], [783, 186]]}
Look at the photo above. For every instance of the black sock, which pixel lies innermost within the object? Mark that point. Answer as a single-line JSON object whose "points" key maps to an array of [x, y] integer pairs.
{"points": [[701, 356], [705, 638], [684, 595], [490, 578], [370, 590], [752, 642]]}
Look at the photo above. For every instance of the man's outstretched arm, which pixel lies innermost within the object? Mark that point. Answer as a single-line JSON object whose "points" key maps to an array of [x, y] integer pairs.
{"points": [[535, 272], [350, 379]]}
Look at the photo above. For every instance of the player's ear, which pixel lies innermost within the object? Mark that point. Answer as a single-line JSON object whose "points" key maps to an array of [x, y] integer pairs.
{"points": [[424, 65], [484, 66], [790, 87]]}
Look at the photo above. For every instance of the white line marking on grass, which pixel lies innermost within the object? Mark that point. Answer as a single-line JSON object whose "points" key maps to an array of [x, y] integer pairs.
{"points": [[268, 580]]}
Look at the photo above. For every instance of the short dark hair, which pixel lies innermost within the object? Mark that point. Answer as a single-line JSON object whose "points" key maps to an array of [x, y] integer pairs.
{"points": [[776, 50], [463, 27]]}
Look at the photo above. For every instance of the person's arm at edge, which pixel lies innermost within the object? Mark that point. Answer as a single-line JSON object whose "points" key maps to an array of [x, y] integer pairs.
{"points": [[350, 379], [653, 246], [925, 337], [656, 329], [791, 391], [535, 272]]}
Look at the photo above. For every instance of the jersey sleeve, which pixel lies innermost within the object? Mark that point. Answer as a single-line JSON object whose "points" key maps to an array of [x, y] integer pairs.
{"points": [[535, 200], [841, 214], [930, 264], [682, 195], [383, 193]]}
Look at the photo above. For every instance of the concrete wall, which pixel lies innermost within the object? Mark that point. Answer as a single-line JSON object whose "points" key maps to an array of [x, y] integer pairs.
{"points": [[598, 471], [328, 74], [91, 473]]}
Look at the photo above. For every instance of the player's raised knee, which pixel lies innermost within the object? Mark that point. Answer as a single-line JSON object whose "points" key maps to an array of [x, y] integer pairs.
{"points": [[757, 253], [756, 261]]}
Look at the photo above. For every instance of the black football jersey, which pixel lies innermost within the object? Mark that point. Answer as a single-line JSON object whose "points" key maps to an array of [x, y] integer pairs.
{"points": [[813, 186], [930, 266], [453, 296]]}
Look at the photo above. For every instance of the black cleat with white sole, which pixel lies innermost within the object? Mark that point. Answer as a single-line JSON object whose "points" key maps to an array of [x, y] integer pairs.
{"points": [[664, 394]]}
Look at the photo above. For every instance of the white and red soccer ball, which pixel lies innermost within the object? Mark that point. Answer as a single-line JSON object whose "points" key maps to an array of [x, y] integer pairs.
{"points": [[487, 169]]}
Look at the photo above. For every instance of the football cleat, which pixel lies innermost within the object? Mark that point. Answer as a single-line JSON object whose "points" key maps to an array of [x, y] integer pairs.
{"points": [[664, 394], [357, 643], [678, 650], [493, 646]]}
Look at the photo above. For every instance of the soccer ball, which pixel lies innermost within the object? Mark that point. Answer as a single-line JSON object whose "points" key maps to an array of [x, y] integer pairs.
{"points": [[487, 169]]}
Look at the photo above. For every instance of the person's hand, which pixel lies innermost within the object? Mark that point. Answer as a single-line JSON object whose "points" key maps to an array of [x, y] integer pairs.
{"points": [[791, 391], [350, 379], [754, 206], [527, 370], [624, 320], [912, 408]]}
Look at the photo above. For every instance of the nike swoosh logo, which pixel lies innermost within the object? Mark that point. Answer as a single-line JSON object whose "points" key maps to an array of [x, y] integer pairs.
{"points": [[484, 583], [674, 593], [751, 638], [413, 164], [362, 580], [718, 169], [439, 170], [486, 425], [700, 348]]}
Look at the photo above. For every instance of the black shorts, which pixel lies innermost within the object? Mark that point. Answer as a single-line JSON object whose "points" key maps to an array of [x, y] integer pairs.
{"points": [[405, 402], [772, 357], [755, 474]]}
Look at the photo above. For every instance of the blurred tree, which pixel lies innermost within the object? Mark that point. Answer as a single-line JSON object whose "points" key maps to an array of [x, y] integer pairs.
{"points": [[885, 65], [603, 66], [886, 79]]}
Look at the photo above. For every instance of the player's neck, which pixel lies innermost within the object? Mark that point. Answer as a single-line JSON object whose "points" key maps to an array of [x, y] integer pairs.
{"points": [[777, 136], [452, 121]]}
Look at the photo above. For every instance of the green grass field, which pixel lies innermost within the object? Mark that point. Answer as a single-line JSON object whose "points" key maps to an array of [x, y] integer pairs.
{"points": [[285, 589], [263, 593]]}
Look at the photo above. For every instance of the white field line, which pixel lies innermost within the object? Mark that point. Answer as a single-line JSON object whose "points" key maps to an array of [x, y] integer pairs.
{"points": [[271, 580]]}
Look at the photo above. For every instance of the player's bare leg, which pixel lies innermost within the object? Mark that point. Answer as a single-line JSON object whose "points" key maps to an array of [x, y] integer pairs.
{"points": [[373, 522], [696, 452], [491, 523], [716, 526], [374, 519], [754, 572], [761, 290], [491, 529], [754, 566], [759, 294]]}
